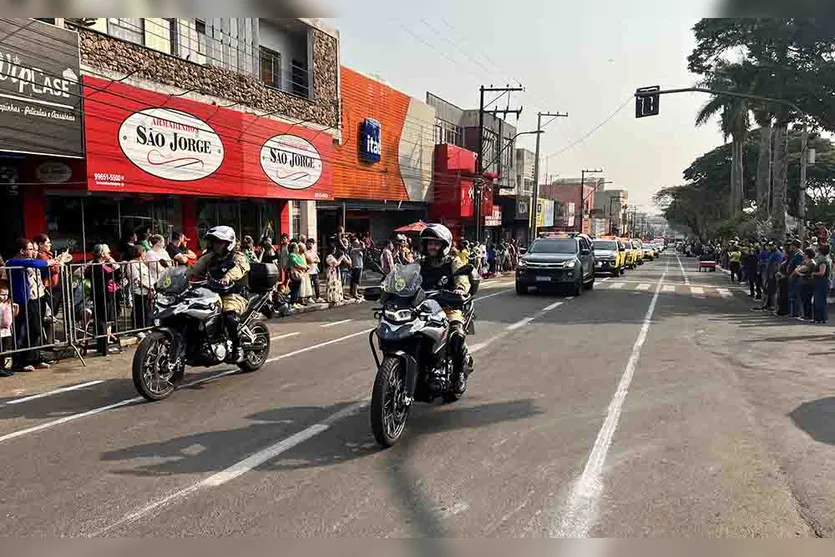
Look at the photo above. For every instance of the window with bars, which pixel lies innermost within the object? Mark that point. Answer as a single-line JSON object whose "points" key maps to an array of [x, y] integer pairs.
{"points": [[127, 28], [271, 67], [295, 217]]}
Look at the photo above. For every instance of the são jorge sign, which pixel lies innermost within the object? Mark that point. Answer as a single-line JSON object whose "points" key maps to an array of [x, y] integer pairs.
{"points": [[146, 142]]}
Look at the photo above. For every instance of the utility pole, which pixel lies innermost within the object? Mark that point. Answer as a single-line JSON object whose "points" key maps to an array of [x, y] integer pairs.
{"points": [[479, 180], [801, 198], [535, 195]]}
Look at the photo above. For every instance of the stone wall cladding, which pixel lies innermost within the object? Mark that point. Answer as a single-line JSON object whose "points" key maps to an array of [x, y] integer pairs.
{"points": [[105, 52]]}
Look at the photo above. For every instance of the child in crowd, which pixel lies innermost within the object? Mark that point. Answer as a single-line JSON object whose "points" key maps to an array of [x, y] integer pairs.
{"points": [[8, 312]]}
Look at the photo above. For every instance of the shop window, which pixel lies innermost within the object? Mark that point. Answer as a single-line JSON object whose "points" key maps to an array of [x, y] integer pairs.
{"points": [[248, 218], [66, 216], [295, 217]]}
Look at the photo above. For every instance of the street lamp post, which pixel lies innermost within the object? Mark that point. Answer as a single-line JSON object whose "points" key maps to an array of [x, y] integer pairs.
{"points": [[583, 196], [535, 194]]}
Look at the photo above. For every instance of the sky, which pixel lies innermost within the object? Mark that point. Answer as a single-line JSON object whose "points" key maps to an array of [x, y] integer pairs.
{"points": [[585, 58]]}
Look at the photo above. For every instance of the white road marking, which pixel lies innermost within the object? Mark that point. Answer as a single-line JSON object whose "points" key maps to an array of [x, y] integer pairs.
{"points": [[320, 345], [55, 392], [239, 468], [494, 294], [520, 323], [698, 290], [617, 285], [668, 288], [643, 287], [288, 335], [580, 511], [605, 279], [725, 293], [683, 273], [555, 305], [335, 323]]}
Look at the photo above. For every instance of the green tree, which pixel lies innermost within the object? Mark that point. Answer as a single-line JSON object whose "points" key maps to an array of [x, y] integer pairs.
{"points": [[733, 121]]}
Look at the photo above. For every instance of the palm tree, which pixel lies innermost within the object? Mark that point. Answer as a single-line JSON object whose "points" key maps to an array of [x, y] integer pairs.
{"points": [[733, 121]]}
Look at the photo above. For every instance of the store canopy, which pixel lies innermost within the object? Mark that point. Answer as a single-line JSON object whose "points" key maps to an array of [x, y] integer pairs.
{"points": [[415, 227]]}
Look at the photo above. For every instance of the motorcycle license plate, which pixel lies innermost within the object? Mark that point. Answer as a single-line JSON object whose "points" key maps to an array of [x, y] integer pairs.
{"points": [[543, 279]]}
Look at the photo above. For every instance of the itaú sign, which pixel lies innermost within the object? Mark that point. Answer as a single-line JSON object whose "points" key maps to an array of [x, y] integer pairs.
{"points": [[171, 144]]}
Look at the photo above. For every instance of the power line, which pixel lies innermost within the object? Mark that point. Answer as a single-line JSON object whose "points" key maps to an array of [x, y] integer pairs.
{"points": [[590, 132]]}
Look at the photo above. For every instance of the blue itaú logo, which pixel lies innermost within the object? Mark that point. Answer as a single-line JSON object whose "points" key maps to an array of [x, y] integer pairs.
{"points": [[370, 140]]}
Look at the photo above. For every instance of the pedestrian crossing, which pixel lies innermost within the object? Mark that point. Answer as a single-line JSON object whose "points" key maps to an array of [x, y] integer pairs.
{"points": [[696, 291]]}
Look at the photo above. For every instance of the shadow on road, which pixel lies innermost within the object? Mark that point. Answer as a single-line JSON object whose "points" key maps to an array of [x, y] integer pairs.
{"points": [[817, 418], [349, 439]]}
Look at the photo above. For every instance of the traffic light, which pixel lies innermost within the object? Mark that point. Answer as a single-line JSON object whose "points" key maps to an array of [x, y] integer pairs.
{"points": [[646, 103]]}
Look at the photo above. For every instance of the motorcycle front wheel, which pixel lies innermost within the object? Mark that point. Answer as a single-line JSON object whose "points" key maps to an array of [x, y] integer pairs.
{"points": [[388, 403], [256, 353], [152, 374]]}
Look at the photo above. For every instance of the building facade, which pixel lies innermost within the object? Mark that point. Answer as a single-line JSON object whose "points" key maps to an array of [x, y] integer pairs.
{"points": [[576, 202], [383, 165], [611, 204], [190, 123]]}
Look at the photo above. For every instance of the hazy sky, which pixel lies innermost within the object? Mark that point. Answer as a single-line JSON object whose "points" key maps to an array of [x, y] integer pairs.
{"points": [[585, 58]]}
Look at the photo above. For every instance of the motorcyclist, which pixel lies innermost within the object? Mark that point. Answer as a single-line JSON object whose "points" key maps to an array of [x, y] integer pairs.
{"points": [[438, 273], [228, 271]]}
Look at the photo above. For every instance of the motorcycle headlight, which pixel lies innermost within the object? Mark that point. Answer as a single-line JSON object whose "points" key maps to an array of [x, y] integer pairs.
{"points": [[398, 315], [570, 264]]}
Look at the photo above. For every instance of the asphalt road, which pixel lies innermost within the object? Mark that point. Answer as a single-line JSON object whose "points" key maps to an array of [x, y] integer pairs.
{"points": [[657, 404]]}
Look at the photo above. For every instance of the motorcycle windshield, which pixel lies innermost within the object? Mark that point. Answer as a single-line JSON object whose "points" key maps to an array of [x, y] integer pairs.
{"points": [[403, 280], [173, 281]]}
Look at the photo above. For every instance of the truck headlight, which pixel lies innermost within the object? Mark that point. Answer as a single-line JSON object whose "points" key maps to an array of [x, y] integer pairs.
{"points": [[570, 264], [522, 264]]}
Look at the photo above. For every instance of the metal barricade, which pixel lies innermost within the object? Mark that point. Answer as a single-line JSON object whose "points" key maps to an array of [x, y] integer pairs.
{"points": [[75, 307]]}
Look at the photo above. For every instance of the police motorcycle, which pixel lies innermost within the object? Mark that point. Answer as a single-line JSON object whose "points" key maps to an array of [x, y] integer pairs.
{"points": [[189, 329], [412, 357]]}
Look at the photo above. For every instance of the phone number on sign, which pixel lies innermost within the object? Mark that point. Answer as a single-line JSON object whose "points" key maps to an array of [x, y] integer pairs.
{"points": [[103, 178]]}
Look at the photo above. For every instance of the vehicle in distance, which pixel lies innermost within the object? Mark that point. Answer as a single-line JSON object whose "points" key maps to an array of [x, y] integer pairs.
{"points": [[609, 256], [639, 250], [552, 261]]}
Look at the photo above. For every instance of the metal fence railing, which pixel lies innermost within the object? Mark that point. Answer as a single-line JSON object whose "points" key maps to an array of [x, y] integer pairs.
{"points": [[74, 307]]}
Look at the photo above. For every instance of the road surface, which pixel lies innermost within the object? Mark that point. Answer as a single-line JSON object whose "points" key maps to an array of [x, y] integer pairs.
{"points": [[657, 404]]}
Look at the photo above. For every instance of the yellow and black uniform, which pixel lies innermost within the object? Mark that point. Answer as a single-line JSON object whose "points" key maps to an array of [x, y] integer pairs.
{"points": [[234, 269], [231, 268]]}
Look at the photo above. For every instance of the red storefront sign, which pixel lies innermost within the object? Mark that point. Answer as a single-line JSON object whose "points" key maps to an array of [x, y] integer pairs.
{"points": [[140, 141]]}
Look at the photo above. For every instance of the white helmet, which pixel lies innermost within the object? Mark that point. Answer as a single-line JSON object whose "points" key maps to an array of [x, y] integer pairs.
{"points": [[437, 232], [223, 234]]}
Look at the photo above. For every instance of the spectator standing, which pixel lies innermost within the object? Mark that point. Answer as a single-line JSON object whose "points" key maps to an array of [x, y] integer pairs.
{"points": [[248, 249], [387, 258], [178, 250], [806, 283], [822, 275], [26, 275], [126, 244], [143, 237], [296, 267], [404, 254], [157, 257], [268, 252], [735, 263], [770, 262], [306, 287], [782, 288], [313, 261], [334, 293], [8, 311], [284, 258], [54, 291], [343, 253], [104, 276], [141, 287], [357, 264], [491, 259], [795, 259]]}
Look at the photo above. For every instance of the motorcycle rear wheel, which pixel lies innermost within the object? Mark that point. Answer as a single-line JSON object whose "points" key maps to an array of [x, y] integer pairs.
{"points": [[151, 376], [255, 358], [388, 407]]}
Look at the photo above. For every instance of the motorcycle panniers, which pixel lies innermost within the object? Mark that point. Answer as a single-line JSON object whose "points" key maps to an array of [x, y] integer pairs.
{"points": [[263, 277]]}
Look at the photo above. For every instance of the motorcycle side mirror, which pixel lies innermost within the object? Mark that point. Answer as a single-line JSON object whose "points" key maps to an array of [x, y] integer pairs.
{"points": [[465, 270], [373, 293]]}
